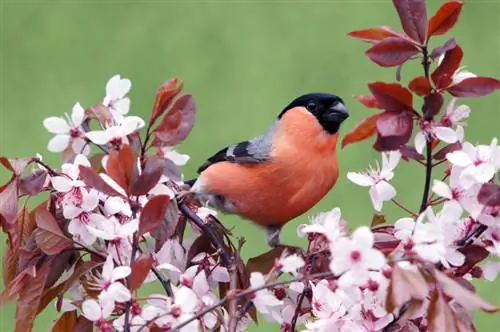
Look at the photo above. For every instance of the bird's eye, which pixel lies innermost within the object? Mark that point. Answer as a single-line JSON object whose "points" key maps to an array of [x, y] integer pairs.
{"points": [[311, 106]]}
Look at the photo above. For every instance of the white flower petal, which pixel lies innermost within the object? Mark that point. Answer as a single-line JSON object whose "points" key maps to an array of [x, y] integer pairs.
{"points": [[442, 189], [122, 106], [374, 259], [360, 179], [77, 115], [58, 143], [56, 125], [491, 270], [118, 292], [384, 192], [420, 142], [459, 158], [99, 137], [363, 238], [461, 113], [91, 310], [120, 272], [61, 184], [445, 134], [484, 173], [117, 88]]}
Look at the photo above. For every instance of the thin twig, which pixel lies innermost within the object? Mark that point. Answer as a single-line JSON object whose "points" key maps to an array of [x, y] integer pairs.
{"points": [[207, 230], [428, 117], [233, 317], [404, 208], [297, 309], [135, 246], [250, 291]]}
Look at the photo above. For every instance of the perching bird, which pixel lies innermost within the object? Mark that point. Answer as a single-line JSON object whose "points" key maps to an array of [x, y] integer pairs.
{"points": [[281, 174]]}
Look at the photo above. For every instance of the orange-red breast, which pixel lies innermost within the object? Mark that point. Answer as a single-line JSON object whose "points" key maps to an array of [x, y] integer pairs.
{"points": [[281, 174]]}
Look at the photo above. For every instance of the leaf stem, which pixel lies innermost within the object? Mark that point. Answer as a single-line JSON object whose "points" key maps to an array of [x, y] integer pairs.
{"points": [[404, 208]]}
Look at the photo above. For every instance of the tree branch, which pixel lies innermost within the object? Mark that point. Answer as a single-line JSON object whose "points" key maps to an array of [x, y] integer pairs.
{"points": [[208, 231]]}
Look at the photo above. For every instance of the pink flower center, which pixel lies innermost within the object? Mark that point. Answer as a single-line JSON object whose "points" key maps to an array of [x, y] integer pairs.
{"points": [[356, 256], [116, 142], [83, 218], [446, 121], [478, 162], [74, 132], [176, 312], [317, 305], [456, 194], [106, 284], [136, 309], [372, 285], [280, 293], [104, 326]]}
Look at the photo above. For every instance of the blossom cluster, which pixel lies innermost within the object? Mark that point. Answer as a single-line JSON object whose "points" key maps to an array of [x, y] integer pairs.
{"points": [[116, 217]]}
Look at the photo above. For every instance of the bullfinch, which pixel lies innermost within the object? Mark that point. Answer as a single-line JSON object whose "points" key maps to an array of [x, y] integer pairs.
{"points": [[281, 174]]}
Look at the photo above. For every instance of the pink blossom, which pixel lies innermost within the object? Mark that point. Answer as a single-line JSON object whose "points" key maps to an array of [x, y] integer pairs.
{"points": [[116, 98], [479, 163], [264, 300], [116, 134], [98, 312], [353, 257], [111, 289], [433, 130], [328, 223], [378, 179], [68, 132]]}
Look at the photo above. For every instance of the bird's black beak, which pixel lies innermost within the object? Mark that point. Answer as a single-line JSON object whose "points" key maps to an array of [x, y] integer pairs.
{"points": [[337, 113]]}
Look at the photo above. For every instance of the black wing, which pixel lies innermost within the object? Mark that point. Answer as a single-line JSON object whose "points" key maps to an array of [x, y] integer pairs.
{"points": [[239, 153]]}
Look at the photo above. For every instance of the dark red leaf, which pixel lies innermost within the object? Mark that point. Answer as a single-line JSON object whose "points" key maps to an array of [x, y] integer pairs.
{"points": [[433, 103], [384, 242], [374, 35], [394, 124], [441, 154], [392, 97], [8, 202], [413, 16], [6, 163], [49, 236], [168, 226], [83, 325], [363, 130], [264, 262], [153, 213], [164, 97], [406, 284], [473, 255], [489, 194], [172, 171], [392, 51], [29, 299], [444, 19], [440, 314], [421, 86], [475, 87], [66, 322], [200, 244], [409, 152], [444, 72], [368, 101], [140, 270], [92, 179], [177, 123], [463, 296], [440, 50], [33, 183], [394, 130], [122, 167], [149, 177]]}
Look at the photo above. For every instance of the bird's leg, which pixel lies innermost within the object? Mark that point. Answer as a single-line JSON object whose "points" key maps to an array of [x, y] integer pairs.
{"points": [[273, 239], [273, 236]]}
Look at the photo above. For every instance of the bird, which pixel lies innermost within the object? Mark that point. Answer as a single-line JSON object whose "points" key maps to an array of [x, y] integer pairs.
{"points": [[281, 174]]}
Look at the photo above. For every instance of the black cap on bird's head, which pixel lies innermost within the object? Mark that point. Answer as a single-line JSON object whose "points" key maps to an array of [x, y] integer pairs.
{"points": [[329, 109]]}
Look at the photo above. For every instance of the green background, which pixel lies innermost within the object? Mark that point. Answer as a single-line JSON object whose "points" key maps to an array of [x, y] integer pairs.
{"points": [[243, 61]]}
